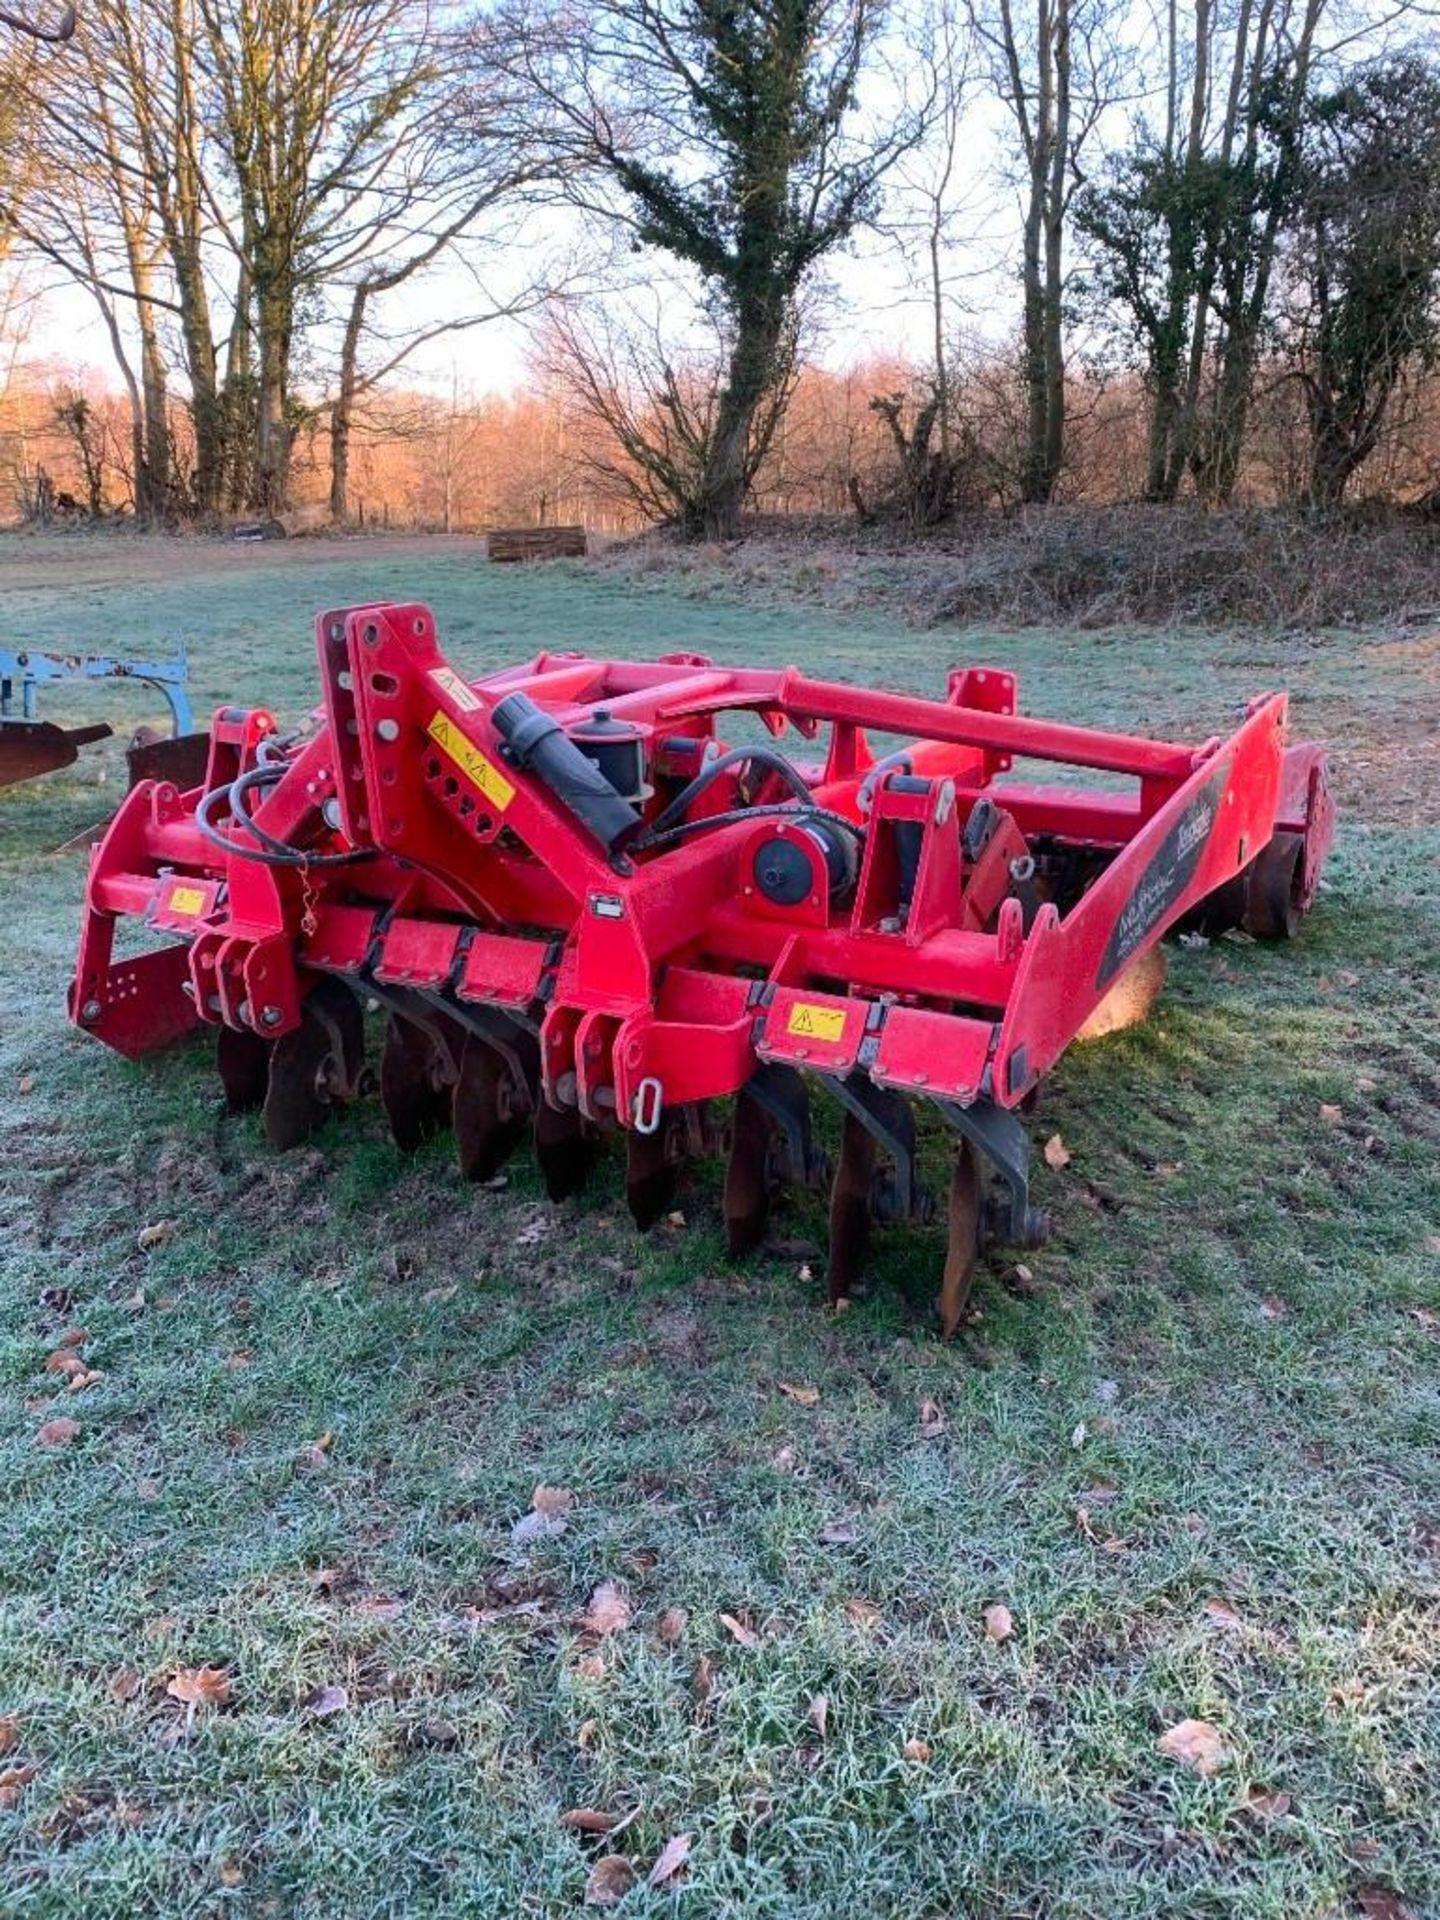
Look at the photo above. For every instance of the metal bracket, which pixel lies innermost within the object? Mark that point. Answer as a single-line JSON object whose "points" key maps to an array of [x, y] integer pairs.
{"points": [[1000, 1139], [868, 1103]]}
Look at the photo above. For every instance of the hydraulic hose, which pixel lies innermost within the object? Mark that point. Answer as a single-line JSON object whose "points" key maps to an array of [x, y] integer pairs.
{"points": [[763, 755]]}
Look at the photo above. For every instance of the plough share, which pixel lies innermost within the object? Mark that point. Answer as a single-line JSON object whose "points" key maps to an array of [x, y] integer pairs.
{"points": [[584, 912]]}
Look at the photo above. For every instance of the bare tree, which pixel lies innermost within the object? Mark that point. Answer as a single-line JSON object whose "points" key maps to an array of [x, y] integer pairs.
{"points": [[725, 138]]}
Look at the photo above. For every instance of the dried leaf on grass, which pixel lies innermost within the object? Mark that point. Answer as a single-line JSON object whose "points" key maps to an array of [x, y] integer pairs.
{"points": [[26, 1083], [609, 1881], [65, 1361], [672, 1624], [932, 1420], [551, 1500], [739, 1630], [9, 1733], [1331, 1115], [819, 1713], [155, 1235], [839, 1533], [1195, 1744], [1266, 1805], [704, 1679], [803, 1396], [124, 1684], [57, 1433], [862, 1613], [609, 1610], [589, 1820], [1057, 1154], [1223, 1615], [918, 1750], [324, 1701], [1379, 1903], [672, 1858], [12, 1779], [998, 1623], [200, 1686]]}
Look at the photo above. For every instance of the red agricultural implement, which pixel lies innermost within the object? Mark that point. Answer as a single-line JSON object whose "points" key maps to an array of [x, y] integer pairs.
{"points": [[584, 912]]}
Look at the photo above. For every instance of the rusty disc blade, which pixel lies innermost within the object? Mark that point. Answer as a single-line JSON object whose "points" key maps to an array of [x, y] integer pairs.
{"points": [[652, 1166], [1272, 909], [850, 1207], [314, 1065], [564, 1149], [181, 759], [489, 1110], [413, 1082], [747, 1176], [242, 1060], [962, 1248]]}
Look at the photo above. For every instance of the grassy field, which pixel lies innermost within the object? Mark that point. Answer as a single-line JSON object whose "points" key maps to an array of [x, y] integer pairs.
{"points": [[1195, 1450]]}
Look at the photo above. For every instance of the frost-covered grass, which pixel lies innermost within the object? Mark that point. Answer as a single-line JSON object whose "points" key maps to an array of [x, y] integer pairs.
{"points": [[1218, 1386]]}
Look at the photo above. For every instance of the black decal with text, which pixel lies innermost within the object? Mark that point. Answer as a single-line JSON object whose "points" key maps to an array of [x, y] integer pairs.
{"points": [[1171, 869]]}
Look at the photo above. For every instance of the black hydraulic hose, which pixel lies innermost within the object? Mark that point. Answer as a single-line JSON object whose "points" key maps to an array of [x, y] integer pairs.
{"points": [[271, 852], [864, 799], [765, 756], [785, 810]]}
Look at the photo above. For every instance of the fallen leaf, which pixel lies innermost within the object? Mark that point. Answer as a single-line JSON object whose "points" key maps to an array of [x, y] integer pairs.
{"points": [[12, 1779], [704, 1678], [862, 1613], [9, 1734], [1331, 1115], [200, 1686], [1425, 1318], [74, 1337], [433, 1295], [1057, 1154], [1273, 1308], [1102, 1494], [676, 1219], [64, 1360], [802, 1396], [589, 1820], [998, 1623], [324, 1701], [534, 1526], [27, 1083], [738, 1630], [608, 1612], [839, 1533], [591, 1667], [124, 1684], [86, 1377], [1077, 1436], [672, 1624], [1195, 1744], [673, 1855], [552, 1500], [932, 1420], [609, 1882], [57, 1433], [1223, 1614], [918, 1751], [784, 1460], [1267, 1806], [1378, 1903], [805, 1276], [155, 1235], [585, 1737], [1365, 1084], [819, 1713]]}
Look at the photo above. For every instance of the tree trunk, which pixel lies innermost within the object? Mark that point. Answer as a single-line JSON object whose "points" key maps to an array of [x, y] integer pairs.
{"points": [[274, 435], [731, 457], [342, 413]]}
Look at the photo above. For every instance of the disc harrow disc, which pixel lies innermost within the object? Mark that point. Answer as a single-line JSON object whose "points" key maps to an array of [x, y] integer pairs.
{"points": [[490, 1109], [242, 1060], [652, 1166], [1273, 911], [315, 1065], [417, 1068], [565, 1149], [747, 1176], [962, 1248], [850, 1207]]}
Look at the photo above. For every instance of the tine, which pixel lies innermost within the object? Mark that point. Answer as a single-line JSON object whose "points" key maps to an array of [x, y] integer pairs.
{"points": [[747, 1176], [564, 1149], [412, 1089], [652, 1166], [242, 1060], [850, 1207], [963, 1242], [489, 1110]]}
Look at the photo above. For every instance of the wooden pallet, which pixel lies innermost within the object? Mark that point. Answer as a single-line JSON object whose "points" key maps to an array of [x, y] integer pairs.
{"points": [[537, 543]]}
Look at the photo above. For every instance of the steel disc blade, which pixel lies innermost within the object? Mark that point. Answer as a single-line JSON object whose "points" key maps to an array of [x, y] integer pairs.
{"points": [[963, 1244], [242, 1060], [747, 1176], [412, 1092], [564, 1149], [652, 1167], [489, 1110], [850, 1207], [297, 1098]]}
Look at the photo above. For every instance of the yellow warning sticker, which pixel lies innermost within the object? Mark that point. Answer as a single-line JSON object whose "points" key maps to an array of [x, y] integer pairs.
{"points": [[187, 900], [452, 684], [816, 1023], [472, 763]]}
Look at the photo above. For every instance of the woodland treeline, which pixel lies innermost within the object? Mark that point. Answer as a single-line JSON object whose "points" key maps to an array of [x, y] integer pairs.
{"points": [[1188, 249]]}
